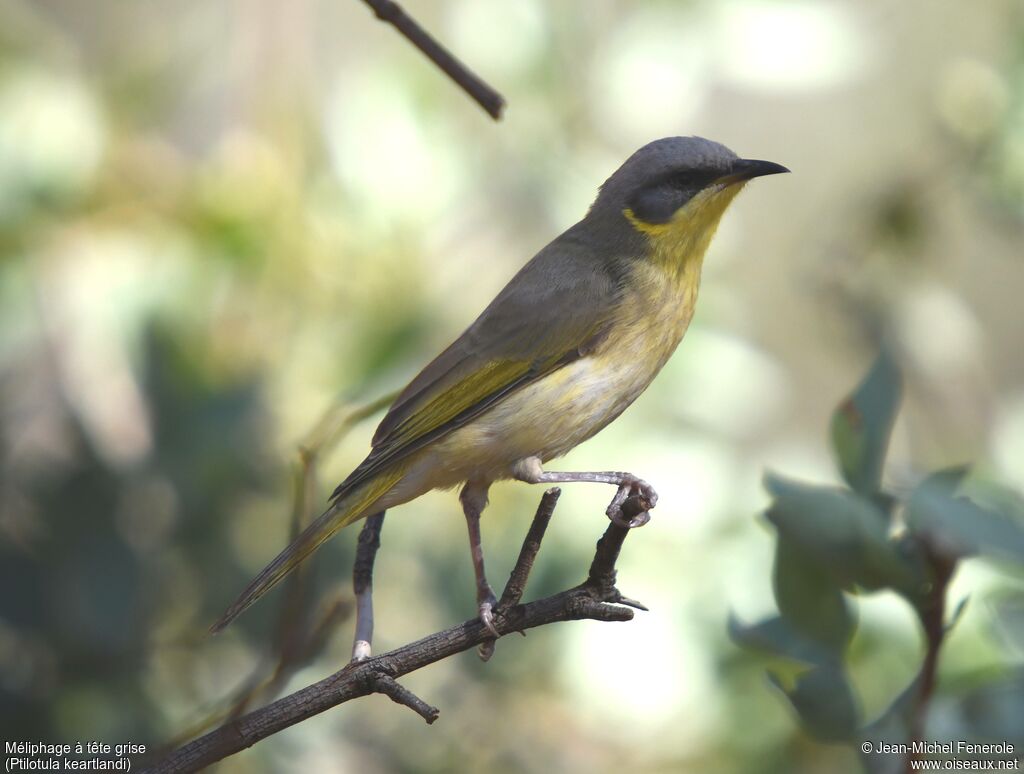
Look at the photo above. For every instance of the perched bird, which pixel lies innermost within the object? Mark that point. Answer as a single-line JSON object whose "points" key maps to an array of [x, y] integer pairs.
{"points": [[564, 348]]}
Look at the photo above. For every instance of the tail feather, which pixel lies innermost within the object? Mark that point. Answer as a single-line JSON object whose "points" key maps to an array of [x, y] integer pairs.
{"points": [[340, 514]]}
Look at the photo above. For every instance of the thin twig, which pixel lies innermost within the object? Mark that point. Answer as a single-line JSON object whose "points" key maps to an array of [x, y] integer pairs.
{"points": [[591, 600], [932, 614], [485, 96], [531, 545], [516, 585], [401, 695]]}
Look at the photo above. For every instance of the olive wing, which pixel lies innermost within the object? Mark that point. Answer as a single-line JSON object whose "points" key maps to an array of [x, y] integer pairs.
{"points": [[550, 314]]}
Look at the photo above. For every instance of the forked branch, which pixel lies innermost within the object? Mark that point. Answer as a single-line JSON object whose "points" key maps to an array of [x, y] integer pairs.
{"points": [[596, 598]]}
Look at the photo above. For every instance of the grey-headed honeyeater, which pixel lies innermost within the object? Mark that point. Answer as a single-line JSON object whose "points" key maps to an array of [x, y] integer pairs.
{"points": [[564, 348]]}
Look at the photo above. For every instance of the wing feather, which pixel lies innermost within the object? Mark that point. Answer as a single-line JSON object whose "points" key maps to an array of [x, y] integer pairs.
{"points": [[547, 316]]}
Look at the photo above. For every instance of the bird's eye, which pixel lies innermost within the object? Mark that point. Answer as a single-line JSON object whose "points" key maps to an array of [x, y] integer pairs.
{"points": [[693, 180], [657, 204]]}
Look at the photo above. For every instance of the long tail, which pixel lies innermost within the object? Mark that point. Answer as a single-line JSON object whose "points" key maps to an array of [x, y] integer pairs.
{"points": [[341, 513]]}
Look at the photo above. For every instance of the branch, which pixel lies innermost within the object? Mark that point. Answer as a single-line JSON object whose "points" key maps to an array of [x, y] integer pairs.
{"points": [[531, 545], [932, 614], [596, 598], [485, 96]]}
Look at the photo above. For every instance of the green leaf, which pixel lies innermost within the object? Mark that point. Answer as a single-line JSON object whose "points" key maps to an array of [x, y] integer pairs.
{"points": [[958, 613], [809, 600], [1008, 620], [891, 727], [843, 532], [825, 704], [993, 710], [863, 422], [777, 637], [959, 527]]}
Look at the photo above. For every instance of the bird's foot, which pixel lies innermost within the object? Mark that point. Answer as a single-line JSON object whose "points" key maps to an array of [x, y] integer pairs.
{"points": [[486, 602], [647, 499]]}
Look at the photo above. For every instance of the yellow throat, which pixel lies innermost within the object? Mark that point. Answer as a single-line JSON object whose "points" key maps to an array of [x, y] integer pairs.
{"points": [[679, 245]]}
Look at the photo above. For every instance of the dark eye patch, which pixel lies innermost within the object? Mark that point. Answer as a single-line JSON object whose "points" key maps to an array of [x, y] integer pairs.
{"points": [[657, 204], [659, 200]]}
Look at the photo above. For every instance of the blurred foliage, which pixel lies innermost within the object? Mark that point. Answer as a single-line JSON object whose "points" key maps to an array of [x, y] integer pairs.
{"points": [[217, 221], [835, 545]]}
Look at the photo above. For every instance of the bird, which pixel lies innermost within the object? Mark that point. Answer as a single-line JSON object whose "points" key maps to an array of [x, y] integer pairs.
{"points": [[568, 344]]}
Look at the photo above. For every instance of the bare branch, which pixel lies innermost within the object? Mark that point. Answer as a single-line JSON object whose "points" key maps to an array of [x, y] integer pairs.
{"points": [[593, 599], [531, 545], [602, 569], [932, 615], [485, 96], [402, 695], [516, 585]]}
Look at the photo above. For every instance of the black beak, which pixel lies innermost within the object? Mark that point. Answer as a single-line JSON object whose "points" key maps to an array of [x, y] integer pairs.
{"points": [[747, 169]]}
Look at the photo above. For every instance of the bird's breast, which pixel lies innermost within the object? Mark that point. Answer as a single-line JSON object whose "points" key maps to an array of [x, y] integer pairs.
{"points": [[552, 415]]}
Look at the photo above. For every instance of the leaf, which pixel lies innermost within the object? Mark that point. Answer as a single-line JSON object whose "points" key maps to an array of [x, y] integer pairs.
{"points": [[809, 600], [863, 422], [1008, 620], [959, 527], [891, 727], [958, 613], [993, 710], [776, 636], [843, 532], [825, 704]]}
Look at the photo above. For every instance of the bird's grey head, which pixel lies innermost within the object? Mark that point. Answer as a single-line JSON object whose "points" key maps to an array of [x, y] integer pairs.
{"points": [[665, 174]]}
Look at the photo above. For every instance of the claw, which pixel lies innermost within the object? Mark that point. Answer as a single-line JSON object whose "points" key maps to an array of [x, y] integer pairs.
{"points": [[645, 490], [639, 520], [614, 509], [633, 487], [621, 521], [486, 648], [487, 616]]}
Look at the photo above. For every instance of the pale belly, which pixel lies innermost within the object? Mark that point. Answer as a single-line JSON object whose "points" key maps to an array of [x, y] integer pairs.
{"points": [[545, 419], [551, 416]]}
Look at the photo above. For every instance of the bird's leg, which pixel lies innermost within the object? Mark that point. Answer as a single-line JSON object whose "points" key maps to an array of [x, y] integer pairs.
{"points": [[531, 471], [474, 500], [362, 584]]}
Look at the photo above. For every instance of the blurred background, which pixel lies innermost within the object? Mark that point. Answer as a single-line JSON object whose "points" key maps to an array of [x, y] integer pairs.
{"points": [[219, 220]]}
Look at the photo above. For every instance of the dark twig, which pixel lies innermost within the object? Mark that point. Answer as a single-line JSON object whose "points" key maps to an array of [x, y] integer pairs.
{"points": [[594, 599], [932, 614], [516, 585], [401, 695], [602, 569], [531, 545], [485, 96]]}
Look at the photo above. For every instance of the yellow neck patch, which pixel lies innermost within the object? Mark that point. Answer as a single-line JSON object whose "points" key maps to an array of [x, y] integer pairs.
{"points": [[685, 238]]}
